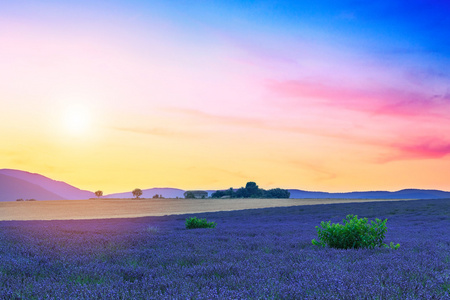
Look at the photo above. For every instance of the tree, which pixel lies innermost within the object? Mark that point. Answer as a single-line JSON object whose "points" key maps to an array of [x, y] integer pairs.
{"points": [[189, 195], [277, 193], [156, 196], [241, 193], [195, 194], [137, 193], [98, 194], [252, 190], [218, 194]]}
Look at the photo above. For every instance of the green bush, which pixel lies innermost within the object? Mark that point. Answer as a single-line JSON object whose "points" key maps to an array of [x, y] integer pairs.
{"points": [[354, 233], [194, 222]]}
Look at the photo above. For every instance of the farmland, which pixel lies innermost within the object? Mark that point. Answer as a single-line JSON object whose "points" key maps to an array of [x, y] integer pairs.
{"points": [[132, 208], [261, 253]]}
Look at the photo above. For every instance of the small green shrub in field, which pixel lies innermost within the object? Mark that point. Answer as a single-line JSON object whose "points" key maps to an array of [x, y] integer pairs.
{"points": [[152, 229], [194, 222], [354, 233]]}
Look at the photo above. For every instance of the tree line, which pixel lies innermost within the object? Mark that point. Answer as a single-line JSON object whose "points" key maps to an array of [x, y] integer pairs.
{"points": [[136, 193], [251, 190]]}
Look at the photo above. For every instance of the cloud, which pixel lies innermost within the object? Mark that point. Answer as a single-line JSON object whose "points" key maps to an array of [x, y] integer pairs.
{"points": [[163, 132], [229, 120], [275, 124], [323, 174], [235, 174], [429, 148], [382, 101], [398, 141]]}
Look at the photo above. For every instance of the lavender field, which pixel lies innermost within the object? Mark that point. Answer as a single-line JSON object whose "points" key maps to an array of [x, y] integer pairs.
{"points": [[252, 254]]}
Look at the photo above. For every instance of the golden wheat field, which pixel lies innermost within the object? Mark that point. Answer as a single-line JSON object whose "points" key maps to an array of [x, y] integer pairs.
{"points": [[132, 208]]}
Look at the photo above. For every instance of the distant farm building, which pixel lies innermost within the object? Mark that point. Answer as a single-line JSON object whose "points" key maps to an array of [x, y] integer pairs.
{"points": [[197, 194]]}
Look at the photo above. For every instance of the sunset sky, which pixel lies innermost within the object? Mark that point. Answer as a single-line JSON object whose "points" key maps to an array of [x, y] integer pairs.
{"points": [[316, 95]]}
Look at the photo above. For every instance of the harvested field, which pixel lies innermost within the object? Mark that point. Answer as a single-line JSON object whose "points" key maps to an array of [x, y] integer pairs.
{"points": [[132, 208]]}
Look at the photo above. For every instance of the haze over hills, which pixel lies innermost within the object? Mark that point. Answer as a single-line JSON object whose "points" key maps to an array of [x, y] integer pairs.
{"points": [[149, 193], [13, 188], [402, 194], [27, 182], [15, 184]]}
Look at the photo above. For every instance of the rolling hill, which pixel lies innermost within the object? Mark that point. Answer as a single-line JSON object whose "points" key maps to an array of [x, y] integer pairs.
{"points": [[13, 188], [402, 194], [15, 184], [149, 193], [62, 190]]}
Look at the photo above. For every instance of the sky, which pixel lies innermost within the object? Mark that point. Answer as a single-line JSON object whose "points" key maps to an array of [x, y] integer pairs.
{"points": [[316, 95]]}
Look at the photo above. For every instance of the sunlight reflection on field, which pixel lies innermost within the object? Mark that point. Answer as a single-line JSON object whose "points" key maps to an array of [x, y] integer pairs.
{"points": [[132, 208]]}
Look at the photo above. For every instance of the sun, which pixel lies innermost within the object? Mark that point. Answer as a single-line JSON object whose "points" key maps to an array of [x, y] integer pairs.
{"points": [[77, 120]]}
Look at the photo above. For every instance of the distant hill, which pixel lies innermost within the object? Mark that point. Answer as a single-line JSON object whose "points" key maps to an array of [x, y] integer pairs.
{"points": [[63, 190], [402, 194], [15, 184], [13, 188], [301, 194], [149, 193]]}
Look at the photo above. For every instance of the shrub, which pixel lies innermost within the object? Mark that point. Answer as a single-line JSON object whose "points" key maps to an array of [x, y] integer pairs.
{"points": [[354, 233], [152, 229], [194, 222]]}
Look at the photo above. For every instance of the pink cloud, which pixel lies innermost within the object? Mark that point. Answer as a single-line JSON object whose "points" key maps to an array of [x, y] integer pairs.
{"points": [[381, 101], [428, 148], [412, 125]]}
